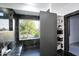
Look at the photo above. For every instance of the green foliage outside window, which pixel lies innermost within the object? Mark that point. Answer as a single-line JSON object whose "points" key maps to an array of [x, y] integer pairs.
{"points": [[27, 27]]}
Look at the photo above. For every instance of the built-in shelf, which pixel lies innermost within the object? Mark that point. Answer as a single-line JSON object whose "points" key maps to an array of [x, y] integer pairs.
{"points": [[60, 32]]}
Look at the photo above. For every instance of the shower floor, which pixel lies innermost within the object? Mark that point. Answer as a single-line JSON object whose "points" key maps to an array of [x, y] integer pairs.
{"points": [[74, 48]]}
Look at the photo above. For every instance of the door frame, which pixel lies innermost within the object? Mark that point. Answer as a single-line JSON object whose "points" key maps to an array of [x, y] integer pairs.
{"points": [[67, 30]]}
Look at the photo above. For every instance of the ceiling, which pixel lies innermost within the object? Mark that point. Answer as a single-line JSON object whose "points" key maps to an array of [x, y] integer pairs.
{"points": [[36, 7], [64, 8], [59, 8], [27, 8]]}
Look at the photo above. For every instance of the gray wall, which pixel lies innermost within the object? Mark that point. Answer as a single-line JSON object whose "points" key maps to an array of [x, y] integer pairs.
{"points": [[48, 41], [74, 29]]}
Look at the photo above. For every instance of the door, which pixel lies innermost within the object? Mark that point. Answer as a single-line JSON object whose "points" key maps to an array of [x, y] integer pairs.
{"points": [[48, 34]]}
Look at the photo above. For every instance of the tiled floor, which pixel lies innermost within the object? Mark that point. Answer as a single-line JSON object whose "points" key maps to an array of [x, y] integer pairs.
{"points": [[30, 52], [74, 48]]}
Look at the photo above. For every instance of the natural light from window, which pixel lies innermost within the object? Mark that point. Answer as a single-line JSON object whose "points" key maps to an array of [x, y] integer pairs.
{"points": [[29, 29], [4, 24]]}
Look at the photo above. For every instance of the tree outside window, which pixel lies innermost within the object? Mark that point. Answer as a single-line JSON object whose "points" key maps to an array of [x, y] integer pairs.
{"points": [[27, 29]]}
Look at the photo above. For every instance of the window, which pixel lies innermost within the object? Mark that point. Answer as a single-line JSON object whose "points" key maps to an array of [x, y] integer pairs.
{"points": [[4, 24], [29, 29]]}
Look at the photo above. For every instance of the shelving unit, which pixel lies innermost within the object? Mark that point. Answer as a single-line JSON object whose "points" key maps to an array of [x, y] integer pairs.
{"points": [[60, 32]]}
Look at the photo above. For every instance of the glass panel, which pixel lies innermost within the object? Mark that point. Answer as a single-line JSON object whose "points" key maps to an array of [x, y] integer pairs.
{"points": [[29, 29], [4, 24], [5, 34]]}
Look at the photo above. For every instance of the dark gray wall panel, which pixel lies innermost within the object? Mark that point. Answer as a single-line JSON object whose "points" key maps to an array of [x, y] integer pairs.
{"points": [[17, 29], [10, 24], [48, 28]]}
